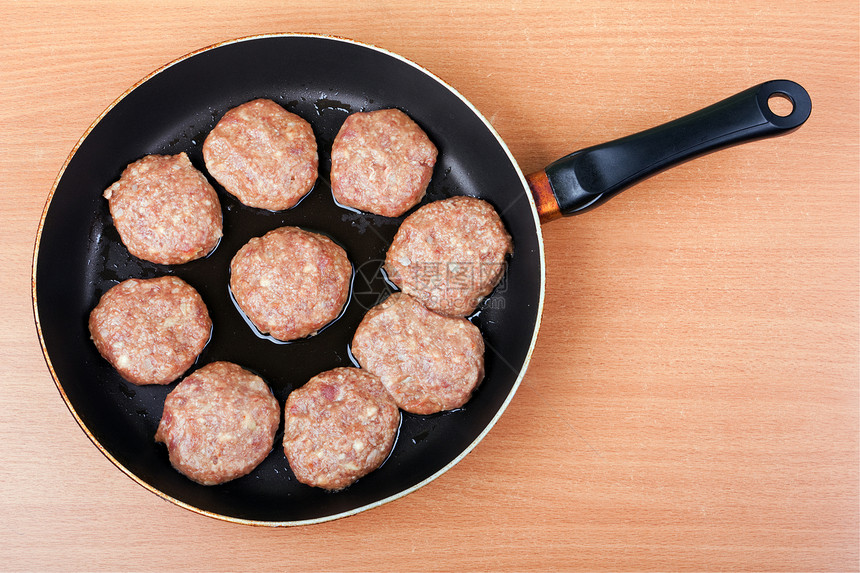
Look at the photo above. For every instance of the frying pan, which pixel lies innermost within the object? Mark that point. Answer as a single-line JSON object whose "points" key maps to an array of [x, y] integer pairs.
{"points": [[78, 254]]}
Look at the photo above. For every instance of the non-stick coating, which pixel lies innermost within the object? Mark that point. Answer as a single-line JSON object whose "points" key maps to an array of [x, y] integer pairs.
{"points": [[79, 256]]}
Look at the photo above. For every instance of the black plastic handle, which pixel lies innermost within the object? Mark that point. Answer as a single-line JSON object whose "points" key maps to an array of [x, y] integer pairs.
{"points": [[587, 178]]}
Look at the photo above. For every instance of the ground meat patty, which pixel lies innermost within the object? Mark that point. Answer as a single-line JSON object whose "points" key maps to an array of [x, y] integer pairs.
{"points": [[381, 162], [338, 427], [263, 154], [428, 362], [165, 210], [290, 282], [449, 254], [219, 423], [150, 330]]}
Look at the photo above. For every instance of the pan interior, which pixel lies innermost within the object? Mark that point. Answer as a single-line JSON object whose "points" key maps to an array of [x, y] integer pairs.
{"points": [[321, 79]]}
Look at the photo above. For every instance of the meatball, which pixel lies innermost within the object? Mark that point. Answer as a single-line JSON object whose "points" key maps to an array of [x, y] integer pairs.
{"points": [[449, 254], [381, 162], [165, 210], [150, 330], [338, 427], [290, 282], [219, 423], [428, 362], [263, 154]]}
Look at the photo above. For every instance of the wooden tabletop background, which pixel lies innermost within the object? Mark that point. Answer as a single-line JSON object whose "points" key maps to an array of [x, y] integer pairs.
{"points": [[692, 402]]}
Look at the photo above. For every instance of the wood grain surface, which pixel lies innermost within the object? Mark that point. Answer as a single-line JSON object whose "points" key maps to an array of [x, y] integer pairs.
{"points": [[692, 402]]}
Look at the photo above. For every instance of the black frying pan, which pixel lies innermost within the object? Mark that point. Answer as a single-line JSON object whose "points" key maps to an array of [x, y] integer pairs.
{"points": [[79, 256]]}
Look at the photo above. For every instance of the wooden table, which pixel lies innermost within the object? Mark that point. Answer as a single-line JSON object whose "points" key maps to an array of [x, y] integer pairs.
{"points": [[692, 402]]}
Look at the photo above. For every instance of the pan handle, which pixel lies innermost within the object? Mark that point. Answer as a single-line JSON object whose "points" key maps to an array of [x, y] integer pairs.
{"points": [[586, 178]]}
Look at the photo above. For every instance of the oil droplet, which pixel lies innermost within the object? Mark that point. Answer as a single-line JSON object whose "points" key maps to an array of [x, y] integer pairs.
{"points": [[420, 437], [324, 104]]}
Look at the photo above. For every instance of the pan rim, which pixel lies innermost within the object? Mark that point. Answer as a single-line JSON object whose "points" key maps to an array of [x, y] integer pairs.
{"points": [[360, 509]]}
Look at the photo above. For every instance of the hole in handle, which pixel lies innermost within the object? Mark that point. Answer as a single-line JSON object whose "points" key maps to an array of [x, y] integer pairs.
{"points": [[780, 104]]}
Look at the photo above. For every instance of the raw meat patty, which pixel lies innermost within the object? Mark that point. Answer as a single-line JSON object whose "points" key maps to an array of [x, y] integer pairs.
{"points": [[263, 154], [165, 210], [449, 254], [338, 427], [219, 423], [150, 330], [428, 362], [290, 282], [381, 162]]}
